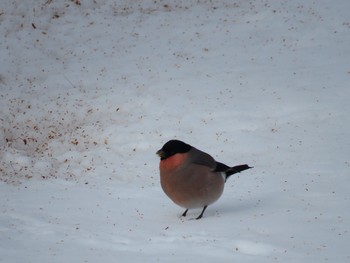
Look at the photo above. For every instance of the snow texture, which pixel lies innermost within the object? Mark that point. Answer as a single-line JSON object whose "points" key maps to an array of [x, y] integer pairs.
{"points": [[90, 90]]}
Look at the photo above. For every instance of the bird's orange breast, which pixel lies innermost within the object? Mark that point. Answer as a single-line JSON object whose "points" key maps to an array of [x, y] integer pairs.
{"points": [[173, 162]]}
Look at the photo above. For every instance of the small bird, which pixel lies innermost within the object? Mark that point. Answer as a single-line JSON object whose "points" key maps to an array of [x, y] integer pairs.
{"points": [[192, 178]]}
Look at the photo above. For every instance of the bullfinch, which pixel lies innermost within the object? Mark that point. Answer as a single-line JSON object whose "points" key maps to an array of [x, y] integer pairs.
{"points": [[192, 178]]}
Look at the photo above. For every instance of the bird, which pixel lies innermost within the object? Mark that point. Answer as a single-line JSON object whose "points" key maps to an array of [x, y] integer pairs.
{"points": [[192, 178]]}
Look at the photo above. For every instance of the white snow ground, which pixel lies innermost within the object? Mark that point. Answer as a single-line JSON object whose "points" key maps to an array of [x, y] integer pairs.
{"points": [[91, 89]]}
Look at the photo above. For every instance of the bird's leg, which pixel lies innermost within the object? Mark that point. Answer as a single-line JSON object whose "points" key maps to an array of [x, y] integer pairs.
{"points": [[185, 213], [200, 216]]}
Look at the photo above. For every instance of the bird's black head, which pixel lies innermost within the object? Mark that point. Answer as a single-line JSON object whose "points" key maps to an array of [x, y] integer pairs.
{"points": [[173, 147]]}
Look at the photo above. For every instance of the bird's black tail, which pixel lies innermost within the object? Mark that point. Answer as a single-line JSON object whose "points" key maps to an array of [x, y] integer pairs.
{"points": [[236, 169]]}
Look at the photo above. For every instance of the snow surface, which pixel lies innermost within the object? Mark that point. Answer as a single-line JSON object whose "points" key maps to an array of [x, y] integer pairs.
{"points": [[90, 90]]}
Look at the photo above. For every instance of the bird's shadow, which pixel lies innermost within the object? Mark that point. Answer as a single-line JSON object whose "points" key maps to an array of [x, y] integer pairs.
{"points": [[226, 207], [240, 206], [219, 210]]}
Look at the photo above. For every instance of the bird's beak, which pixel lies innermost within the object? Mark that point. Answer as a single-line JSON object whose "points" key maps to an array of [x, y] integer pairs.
{"points": [[160, 153]]}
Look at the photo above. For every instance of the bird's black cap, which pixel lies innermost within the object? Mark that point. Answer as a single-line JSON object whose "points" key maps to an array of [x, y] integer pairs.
{"points": [[173, 147]]}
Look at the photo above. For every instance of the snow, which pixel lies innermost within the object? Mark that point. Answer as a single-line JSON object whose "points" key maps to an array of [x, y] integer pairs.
{"points": [[90, 90]]}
